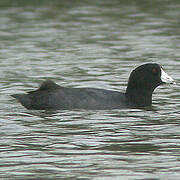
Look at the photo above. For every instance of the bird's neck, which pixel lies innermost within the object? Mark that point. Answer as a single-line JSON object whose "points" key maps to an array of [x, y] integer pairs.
{"points": [[140, 97]]}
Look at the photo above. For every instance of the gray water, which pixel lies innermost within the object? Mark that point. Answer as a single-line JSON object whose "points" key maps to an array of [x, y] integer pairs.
{"points": [[88, 44]]}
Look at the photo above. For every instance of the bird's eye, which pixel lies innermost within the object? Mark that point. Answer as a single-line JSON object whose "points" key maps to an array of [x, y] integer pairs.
{"points": [[154, 71]]}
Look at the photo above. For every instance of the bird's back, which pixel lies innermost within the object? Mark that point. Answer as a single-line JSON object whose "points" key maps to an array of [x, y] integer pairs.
{"points": [[53, 96]]}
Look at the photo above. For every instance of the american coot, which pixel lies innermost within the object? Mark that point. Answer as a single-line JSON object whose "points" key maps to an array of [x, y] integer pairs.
{"points": [[141, 84]]}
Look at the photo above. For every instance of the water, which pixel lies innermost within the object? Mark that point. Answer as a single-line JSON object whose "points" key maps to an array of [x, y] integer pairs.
{"points": [[88, 44]]}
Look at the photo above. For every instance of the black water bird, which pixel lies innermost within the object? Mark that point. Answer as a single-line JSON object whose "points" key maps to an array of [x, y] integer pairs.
{"points": [[141, 84]]}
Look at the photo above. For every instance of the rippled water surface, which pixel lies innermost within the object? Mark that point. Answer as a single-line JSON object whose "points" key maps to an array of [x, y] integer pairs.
{"points": [[88, 44]]}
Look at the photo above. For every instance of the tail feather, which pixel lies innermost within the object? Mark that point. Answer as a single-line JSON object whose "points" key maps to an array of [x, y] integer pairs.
{"points": [[23, 99]]}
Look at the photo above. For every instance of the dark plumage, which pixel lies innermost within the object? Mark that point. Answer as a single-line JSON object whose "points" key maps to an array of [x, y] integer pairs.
{"points": [[141, 84]]}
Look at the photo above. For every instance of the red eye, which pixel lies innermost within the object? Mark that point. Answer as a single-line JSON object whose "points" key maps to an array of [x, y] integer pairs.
{"points": [[154, 70]]}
